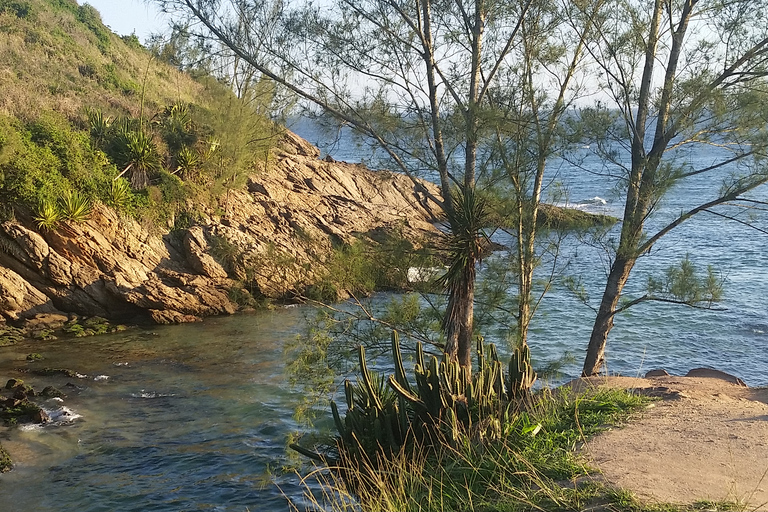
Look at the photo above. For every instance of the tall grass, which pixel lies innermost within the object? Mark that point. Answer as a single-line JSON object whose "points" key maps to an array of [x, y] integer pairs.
{"points": [[533, 466]]}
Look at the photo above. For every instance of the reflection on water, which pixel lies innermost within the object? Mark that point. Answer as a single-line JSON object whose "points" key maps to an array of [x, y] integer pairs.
{"points": [[190, 418]]}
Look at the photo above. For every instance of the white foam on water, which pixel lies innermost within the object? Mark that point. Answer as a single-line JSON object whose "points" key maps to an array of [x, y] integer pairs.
{"points": [[151, 394], [101, 377], [424, 274], [62, 415], [30, 427]]}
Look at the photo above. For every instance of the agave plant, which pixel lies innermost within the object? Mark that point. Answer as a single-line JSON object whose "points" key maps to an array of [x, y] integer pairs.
{"points": [[176, 126], [139, 156], [187, 163], [48, 215], [75, 206], [119, 194], [99, 125]]}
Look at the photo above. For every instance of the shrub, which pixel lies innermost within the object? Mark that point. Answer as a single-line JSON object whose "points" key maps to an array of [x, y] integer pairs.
{"points": [[120, 196], [187, 163], [75, 206], [90, 17], [138, 153], [47, 216], [18, 8]]}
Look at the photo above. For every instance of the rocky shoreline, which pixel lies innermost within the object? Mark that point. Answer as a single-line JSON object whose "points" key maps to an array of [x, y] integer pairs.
{"points": [[283, 225]]}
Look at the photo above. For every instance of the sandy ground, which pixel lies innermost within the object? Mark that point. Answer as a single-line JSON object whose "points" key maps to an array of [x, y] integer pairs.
{"points": [[707, 439]]}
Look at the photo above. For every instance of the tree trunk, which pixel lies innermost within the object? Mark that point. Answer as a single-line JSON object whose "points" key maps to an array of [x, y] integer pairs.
{"points": [[459, 318], [604, 322]]}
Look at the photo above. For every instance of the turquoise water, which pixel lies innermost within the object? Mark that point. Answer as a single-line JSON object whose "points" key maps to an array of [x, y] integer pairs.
{"points": [[733, 337]]}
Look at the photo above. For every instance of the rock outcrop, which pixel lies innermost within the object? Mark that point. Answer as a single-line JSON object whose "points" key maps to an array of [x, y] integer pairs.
{"points": [[285, 221]]}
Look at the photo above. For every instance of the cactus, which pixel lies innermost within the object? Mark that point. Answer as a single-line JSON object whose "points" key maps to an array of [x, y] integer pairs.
{"points": [[383, 415], [521, 374]]}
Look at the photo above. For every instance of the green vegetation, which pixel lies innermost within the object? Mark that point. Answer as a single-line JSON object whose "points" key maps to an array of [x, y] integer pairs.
{"points": [[91, 138], [6, 464], [24, 411], [10, 335], [442, 444], [90, 327], [367, 265]]}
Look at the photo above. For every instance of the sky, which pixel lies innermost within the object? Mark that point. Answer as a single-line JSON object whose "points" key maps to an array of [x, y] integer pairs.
{"points": [[128, 16]]}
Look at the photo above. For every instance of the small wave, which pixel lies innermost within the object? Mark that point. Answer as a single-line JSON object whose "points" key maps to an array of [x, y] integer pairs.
{"points": [[595, 201], [120, 364], [58, 416], [101, 377], [151, 394], [30, 427], [758, 331], [62, 415]]}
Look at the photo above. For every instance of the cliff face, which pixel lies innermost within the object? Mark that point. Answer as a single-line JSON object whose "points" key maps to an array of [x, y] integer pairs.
{"points": [[279, 229]]}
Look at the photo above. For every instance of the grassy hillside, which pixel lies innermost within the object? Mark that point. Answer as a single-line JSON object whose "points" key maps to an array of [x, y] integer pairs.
{"points": [[56, 55], [86, 115]]}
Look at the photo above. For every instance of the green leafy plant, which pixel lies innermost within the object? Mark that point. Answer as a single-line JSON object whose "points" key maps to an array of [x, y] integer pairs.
{"points": [[75, 206], [188, 162], [48, 215], [120, 196], [99, 124], [139, 156]]}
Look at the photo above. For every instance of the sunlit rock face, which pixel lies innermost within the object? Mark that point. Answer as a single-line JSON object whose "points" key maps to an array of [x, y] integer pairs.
{"points": [[281, 226]]}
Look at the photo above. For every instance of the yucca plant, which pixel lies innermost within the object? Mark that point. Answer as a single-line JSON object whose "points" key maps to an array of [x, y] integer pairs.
{"points": [[176, 127], [466, 245], [48, 215], [187, 163], [75, 206], [99, 125], [139, 156], [120, 194]]}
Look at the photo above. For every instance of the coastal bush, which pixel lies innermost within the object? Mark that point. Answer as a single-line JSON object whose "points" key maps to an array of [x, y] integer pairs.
{"points": [[48, 215], [521, 469], [367, 265], [120, 196], [47, 161]]}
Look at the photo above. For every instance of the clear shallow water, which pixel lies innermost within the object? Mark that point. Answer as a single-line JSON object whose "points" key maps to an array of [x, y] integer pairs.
{"points": [[190, 418]]}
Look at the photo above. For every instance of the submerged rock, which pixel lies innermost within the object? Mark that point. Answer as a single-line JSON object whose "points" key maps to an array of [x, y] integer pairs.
{"points": [[14, 383], [6, 464], [52, 392]]}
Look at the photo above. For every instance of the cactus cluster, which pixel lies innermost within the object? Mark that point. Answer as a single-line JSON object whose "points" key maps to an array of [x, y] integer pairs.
{"points": [[376, 418], [521, 374], [445, 401]]}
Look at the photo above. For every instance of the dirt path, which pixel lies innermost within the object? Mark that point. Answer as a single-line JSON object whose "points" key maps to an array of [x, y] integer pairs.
{"points": [[706, 440]]}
